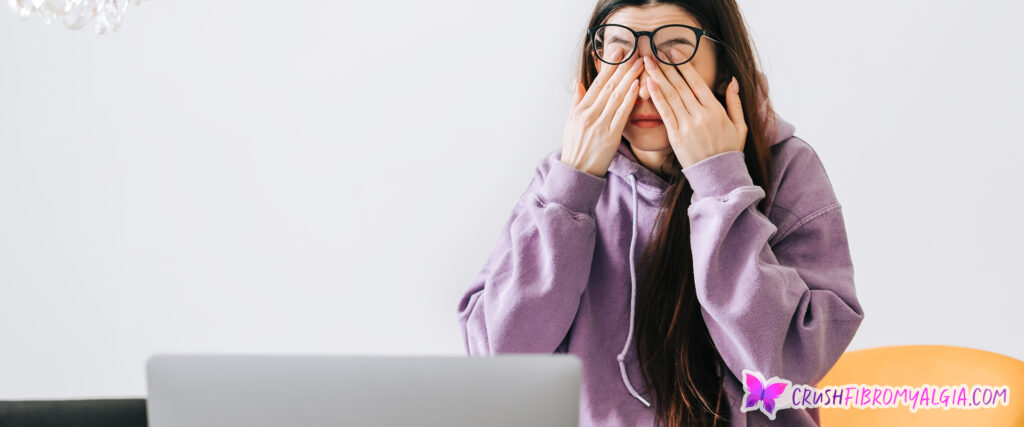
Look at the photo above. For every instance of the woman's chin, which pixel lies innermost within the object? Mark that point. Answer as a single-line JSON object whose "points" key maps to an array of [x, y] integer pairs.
{"points": [[642, 139]]}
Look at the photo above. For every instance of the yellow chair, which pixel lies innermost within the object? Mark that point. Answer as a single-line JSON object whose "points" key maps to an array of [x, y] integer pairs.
{"points": [[935, 365]]}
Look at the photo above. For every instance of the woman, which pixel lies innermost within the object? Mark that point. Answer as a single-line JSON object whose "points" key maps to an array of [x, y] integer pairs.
{"points": [[681, 235]]}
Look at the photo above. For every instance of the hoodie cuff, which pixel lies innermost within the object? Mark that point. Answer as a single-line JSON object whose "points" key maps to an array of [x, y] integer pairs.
{"points": [[578, 191], [718, 175]]}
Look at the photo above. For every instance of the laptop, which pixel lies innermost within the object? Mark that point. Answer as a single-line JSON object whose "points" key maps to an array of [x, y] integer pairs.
{"points": [[348, 390]]}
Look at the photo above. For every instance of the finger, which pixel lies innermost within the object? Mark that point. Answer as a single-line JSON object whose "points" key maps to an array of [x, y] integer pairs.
{"points": [[625, 107], [602, 77], [611, 101], [668, 116], [732, 100], [699, 86], [577, 92], [668, 91], [676, 78], [617, 84]]}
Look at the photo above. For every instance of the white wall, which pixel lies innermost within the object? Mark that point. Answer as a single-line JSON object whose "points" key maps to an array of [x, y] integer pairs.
{"points": [[327, 179]]}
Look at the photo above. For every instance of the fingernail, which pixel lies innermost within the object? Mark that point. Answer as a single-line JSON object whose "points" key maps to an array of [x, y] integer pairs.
{"points": [[736, 85]]}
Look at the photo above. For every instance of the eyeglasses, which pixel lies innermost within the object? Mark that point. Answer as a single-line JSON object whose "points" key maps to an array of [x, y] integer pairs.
{"points": [[672, 44]]}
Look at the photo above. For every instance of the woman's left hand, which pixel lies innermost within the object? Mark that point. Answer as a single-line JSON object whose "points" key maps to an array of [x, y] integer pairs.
{"points": [[698, 125]]}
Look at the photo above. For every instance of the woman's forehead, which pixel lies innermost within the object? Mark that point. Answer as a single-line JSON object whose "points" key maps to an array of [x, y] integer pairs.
{"points": [[646, 18]]}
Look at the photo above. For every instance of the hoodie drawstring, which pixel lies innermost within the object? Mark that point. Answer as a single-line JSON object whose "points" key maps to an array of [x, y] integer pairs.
{"points": [[632, 300]]}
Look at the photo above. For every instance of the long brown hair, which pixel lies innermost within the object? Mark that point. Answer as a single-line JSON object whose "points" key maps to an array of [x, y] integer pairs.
{"points": [[677, 356]]}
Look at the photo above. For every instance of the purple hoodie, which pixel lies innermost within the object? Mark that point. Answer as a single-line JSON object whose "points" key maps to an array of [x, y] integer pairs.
{"points": [[776, 291]]}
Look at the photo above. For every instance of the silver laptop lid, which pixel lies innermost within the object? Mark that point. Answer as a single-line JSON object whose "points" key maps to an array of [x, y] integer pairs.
{"points": [[351, 390]]}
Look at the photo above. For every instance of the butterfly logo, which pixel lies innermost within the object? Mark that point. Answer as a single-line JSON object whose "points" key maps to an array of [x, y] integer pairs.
{"points": [[762, 394]]}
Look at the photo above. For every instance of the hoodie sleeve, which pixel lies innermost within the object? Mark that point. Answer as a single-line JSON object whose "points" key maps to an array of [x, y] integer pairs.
{"points": [[790, 310], [525, 297]]}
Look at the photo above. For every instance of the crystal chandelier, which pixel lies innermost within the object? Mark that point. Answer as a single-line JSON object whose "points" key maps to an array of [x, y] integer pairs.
{"points": [[76, 14]]}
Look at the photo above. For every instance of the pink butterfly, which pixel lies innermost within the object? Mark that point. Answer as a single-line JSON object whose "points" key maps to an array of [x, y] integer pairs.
{"points": [[762, 394]]}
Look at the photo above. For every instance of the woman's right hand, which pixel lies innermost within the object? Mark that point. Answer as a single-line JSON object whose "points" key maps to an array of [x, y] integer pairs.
{"points": [[598, 116]]}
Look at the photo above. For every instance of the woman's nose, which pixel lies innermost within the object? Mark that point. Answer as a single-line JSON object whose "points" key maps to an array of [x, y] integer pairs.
{"points": [[643, 46], [642, 79]]}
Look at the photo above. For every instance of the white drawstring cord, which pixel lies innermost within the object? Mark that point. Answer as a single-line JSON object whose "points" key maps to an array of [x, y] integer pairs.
{"points": [[632, 300]]}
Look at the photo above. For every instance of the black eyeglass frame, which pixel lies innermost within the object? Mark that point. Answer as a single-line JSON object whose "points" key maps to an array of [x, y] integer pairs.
{"points": [[592, 34]]}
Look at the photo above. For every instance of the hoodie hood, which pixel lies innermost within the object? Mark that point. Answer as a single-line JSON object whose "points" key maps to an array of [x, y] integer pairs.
{"points": [[626, 165]]}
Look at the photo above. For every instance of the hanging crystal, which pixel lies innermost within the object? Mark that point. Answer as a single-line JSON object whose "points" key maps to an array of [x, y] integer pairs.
{"points": [[106, 14]]}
